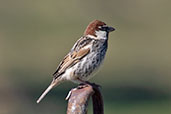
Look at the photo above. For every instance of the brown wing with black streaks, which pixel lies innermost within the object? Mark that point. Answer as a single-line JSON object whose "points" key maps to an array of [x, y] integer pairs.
{"points": [[77, 53]]}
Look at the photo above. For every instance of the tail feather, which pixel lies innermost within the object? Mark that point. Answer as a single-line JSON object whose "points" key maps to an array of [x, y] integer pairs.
{"points": [[54, 83]]}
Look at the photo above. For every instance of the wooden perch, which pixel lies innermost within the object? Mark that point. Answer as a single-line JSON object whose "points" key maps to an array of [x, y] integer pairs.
{"points": [[78, 99]]}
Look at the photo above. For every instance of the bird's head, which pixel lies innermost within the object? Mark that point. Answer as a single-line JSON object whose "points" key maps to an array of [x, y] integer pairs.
{"points": [[98, 29]]}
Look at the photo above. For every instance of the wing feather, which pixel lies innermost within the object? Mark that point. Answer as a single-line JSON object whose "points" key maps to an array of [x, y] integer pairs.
{"points": [[70, 60], [77, 53]]}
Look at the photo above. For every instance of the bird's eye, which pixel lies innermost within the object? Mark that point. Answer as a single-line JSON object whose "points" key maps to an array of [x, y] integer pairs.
{"points": [[103, 28], [100, 27]]}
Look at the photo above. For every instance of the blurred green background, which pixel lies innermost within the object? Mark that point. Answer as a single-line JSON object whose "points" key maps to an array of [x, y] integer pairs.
{"points": [[36, 34]]}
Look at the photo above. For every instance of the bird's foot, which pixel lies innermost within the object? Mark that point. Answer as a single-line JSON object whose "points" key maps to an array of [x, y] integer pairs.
{"points": [[91, 84]]}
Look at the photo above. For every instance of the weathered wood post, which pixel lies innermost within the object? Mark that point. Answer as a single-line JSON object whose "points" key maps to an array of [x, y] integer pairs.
{"points": [[78, 99]]}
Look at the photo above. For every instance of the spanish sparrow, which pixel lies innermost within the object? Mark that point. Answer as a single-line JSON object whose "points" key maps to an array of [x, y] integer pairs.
{"points": [[85, 57]]}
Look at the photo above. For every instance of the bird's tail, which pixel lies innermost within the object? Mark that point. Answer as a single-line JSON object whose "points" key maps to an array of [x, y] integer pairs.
{"points": [[54, 83]]}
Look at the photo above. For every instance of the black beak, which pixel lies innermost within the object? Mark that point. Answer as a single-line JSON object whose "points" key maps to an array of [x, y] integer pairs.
{"points": [[110, 29]]}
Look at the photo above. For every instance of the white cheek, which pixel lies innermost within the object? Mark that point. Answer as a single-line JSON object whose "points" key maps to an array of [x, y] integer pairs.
{"points": [[101, 34]]}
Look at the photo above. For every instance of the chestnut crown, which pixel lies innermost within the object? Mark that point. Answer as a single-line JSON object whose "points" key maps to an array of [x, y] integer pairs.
{"points": [[97, 25]]}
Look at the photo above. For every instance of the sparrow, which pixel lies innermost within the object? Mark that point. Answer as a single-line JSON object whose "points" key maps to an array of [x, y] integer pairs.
{"points": [[85, 57]]}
